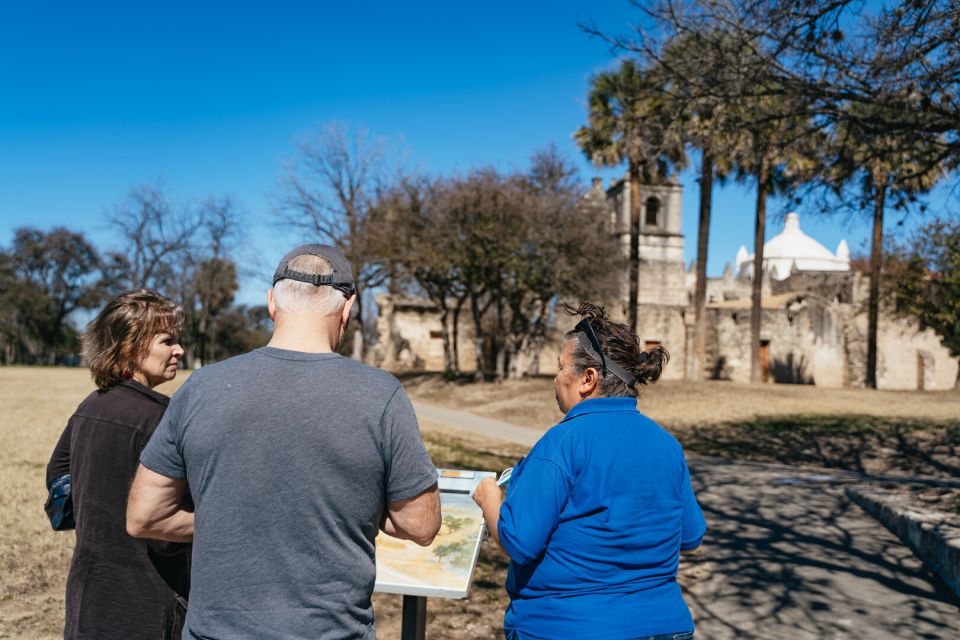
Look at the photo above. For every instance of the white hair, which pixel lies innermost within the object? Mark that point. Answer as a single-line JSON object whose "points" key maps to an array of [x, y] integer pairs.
{"points": [[293, 296]]}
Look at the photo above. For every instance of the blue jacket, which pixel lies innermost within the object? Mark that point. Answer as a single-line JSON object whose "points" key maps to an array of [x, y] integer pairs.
{"points": [[594, 521]]}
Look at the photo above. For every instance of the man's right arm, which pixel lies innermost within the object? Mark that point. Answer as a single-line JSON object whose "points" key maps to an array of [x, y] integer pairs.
{"points": [[416, 518]]}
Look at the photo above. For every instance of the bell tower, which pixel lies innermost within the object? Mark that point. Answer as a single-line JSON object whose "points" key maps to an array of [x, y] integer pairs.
{"points": [[662, 296]]}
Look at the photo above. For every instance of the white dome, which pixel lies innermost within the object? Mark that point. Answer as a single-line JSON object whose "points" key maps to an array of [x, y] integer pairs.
{"points": [[792, 248]]}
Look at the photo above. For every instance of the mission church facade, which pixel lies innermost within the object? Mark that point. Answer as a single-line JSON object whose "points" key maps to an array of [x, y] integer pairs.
{"points": [[813, 326]]}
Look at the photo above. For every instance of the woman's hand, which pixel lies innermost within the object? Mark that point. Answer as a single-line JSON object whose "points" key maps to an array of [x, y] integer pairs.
{"points": [[487, 491]]}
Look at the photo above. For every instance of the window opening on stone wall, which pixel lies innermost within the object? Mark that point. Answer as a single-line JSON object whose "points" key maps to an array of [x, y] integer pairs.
{"points": [[653, 212], [651, 344], [436, 335]]}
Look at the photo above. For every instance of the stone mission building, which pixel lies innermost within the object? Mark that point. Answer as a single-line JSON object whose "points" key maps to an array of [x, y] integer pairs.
{"points": [[813, 327]]}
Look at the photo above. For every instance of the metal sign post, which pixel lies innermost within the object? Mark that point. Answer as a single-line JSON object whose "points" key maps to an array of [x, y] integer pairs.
{"points": [[414, 625]]}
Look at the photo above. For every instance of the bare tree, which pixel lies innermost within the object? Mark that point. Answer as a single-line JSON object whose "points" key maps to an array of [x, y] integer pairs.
{"points": [[412, 236], [327, 193], [507, 246], [184, 251], [156, 237]]}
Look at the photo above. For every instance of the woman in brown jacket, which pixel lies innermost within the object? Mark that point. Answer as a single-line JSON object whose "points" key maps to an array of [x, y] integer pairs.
{"points": [[114, 590]]}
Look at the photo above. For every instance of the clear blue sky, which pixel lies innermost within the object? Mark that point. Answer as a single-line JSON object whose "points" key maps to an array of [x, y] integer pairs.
{"points": [[98, 97]]}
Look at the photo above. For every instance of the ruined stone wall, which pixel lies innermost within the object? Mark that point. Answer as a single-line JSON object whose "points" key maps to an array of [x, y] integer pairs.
{"points": [[804, 343], [720, 289], [908, 358], [833, 286], [817, 342], [410, 336], [665, 325]]}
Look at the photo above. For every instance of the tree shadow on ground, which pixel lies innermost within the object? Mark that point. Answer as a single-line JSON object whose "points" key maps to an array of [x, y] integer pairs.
{"points": [[802, 561], [853, 442]]}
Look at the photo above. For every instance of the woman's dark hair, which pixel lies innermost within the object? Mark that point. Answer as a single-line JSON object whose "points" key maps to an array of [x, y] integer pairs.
{"points": [[114, 342], [620, 344]]}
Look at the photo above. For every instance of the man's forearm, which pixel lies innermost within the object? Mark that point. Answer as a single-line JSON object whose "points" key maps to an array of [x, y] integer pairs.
{"points": [[155, 508], [176, 527]]}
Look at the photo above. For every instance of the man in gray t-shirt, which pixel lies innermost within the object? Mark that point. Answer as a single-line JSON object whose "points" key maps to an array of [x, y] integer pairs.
{"points": [[295, 458]]}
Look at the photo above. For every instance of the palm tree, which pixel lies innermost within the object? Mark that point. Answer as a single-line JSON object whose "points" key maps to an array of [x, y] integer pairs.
{"points": [[776, 150], [686, 57], [631, 121], [896, 166]]}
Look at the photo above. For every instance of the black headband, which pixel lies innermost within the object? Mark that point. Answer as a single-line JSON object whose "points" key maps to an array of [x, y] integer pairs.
{"points": [[591, 344]]}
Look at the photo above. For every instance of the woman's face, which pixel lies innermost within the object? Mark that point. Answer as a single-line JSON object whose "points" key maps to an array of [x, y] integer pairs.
{"points": [[159, 364], [566, 384]]}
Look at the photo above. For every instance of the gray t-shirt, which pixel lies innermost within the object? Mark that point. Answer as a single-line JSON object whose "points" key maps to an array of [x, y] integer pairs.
{"points": [[290, 458]]}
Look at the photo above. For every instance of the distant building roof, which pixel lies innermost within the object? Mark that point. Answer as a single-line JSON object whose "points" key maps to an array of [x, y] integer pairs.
{"points": [[793, 249], [778, 301]]}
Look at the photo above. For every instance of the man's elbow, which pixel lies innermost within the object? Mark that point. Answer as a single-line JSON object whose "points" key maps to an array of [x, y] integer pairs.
{"points": [[136, 527], [428, 535]]}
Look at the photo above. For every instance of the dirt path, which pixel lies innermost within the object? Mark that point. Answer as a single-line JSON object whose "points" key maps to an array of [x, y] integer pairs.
{"points": [[486, 427], [787, 554]]}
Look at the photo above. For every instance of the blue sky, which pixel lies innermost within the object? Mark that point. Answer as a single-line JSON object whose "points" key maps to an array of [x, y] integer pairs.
{"points": [[206, 98]]}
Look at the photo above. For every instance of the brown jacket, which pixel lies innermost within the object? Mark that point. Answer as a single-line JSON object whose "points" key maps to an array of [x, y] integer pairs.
{"points": [[113, 589]]}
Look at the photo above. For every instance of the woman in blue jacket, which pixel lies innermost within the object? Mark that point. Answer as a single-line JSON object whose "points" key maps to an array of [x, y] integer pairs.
{"points": [[596, 515]]}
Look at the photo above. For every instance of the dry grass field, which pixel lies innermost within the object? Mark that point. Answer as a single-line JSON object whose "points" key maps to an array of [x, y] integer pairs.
{"points": [[36, 403], [900, 432], [880, 431]]}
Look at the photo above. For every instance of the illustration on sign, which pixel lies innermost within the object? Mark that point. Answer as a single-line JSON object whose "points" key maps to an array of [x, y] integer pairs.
{"points": [[444, 568]]}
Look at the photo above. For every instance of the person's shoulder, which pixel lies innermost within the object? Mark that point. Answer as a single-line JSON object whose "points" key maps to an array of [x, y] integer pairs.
{"points": [[217, 370], [92, 402], [558, 437], [120, 405], [660, 435], [373, 378]]}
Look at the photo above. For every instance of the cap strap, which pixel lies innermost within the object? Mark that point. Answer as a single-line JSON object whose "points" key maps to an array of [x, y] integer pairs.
{"points": [[313, 278]]}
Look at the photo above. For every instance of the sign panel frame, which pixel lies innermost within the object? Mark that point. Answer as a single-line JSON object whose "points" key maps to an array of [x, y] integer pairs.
{"points": [[456, 487]]}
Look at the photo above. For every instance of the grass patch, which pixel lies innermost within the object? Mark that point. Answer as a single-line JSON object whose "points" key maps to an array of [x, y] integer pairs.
{"points": [[452, 452]]}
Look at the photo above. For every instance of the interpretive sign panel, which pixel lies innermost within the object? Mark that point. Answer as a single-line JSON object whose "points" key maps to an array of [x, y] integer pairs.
{"points": [[445, 568]]}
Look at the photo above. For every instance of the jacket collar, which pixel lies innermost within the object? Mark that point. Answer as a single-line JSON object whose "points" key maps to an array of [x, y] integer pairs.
{"points": [[601, 405], [136, 387]]}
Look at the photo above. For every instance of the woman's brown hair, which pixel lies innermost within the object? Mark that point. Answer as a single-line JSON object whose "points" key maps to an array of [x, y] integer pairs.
{"points": [[620, 344], [115, 341]]}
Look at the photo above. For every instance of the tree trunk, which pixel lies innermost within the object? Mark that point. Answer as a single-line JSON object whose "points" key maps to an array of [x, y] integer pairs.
{"points": [[500, 345], [873, 309], [758, 235], [535, 345], [700, 294], [478, 335], [632, 298], [456, 334], [445, 335]]}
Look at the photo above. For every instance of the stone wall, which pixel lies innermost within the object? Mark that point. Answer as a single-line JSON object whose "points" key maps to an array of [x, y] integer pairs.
{"points": [[813, 341], [666, 326], [803, 342], [908, 358], [410, 336]]}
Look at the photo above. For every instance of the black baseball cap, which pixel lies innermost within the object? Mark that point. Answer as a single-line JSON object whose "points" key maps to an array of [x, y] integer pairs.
{"points": [[341, 278]]}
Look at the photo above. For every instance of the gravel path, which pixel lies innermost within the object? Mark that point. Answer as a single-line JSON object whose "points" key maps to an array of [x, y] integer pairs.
{"points": [[787, 554]]}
